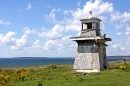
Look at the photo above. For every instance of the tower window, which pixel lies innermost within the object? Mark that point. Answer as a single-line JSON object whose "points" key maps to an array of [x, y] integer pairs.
{"points": [[87, 26]]}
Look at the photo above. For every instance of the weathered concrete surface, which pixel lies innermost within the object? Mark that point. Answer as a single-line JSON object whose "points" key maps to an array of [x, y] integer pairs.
{"points": [[87, 61]]}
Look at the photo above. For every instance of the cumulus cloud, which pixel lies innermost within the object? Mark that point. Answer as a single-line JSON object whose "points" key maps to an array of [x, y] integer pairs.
{"points": [[57, 39], [8, 38], [52, 16], [15, 44], [52, 45], [72, 22], [29, 6], [54, 33], [21, 43], [59, 44], [4, 22], [98, 7], [72, 28], [28, 31], [37, 44], [115, 46], [117, 16]]}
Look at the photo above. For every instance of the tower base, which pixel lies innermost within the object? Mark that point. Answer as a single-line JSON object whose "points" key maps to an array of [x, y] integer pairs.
{"points": [[87, 62]]}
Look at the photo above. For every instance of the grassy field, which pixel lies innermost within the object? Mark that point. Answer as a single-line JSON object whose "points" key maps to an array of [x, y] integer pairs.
{"points": [[62, 75]]}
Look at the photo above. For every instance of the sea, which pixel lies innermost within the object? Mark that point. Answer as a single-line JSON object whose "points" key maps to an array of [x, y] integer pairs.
{"points": [[41, 61]]}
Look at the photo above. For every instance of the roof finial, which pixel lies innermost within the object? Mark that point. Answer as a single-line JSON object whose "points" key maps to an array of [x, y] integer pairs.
{"points": [[90, 13]]}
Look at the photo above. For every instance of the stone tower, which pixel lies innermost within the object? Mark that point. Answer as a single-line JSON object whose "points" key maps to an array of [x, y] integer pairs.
{"points": [[91, 51]]}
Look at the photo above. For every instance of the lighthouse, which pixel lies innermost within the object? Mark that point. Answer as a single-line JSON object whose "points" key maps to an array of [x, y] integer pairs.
{"points": [[91, 50]]}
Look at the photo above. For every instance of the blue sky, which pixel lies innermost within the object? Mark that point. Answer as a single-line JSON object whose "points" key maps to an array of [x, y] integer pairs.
{"points": [[41, 28]]}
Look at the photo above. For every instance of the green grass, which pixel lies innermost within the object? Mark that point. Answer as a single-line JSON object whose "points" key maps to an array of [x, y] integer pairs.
{"points": [[62, 75]]}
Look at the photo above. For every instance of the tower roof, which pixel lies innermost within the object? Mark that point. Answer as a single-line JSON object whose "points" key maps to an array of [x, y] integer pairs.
{"points": [[91, 17]]}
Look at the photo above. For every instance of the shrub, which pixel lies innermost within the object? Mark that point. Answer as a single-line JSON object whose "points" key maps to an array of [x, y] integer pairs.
{"points": [[122, 67], [53, 66], [21, 74], [3, 79]]}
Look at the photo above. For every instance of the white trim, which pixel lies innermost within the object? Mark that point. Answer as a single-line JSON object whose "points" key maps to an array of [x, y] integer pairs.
{"points": [[87, 71], [84, 38]]}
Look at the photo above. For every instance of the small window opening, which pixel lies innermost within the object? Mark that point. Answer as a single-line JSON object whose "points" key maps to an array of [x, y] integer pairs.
{"points": [[87, 26]]}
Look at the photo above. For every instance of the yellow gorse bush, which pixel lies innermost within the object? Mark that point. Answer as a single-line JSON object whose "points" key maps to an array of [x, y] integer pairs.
{"points": [[122, 67], [3, 79], [21, 74], [2, 83]]}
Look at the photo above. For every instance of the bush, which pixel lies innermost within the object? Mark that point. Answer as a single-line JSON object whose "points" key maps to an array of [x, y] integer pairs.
{"points": [[3, 79], [124, 66], [53, 66]]}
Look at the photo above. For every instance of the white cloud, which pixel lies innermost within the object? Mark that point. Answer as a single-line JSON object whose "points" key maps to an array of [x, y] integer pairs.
{"points": [[15, 44], [118, 26], [66, 12], [115, 46], [57, 39], [27, 31], [98, 7], [55, 10], [65, 42], [37, 44], [117, 16], [59, 45], [52, 45], [21, 43], [123, 48], [72, 28], [52, 16], [4, 22], [127, 31], [54, 33], [72, 23], [119, 33], [29, 6], [8, 38]]}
